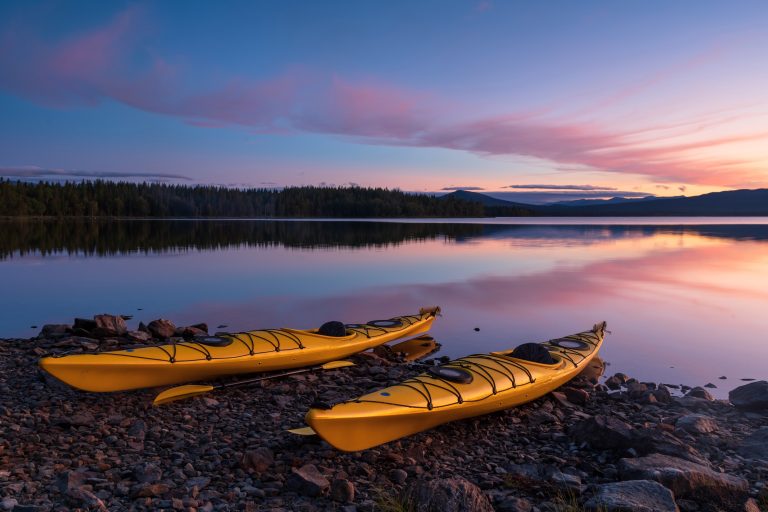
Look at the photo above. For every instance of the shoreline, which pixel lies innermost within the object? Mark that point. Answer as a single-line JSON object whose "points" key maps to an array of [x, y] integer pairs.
{"points": [[230, 450]]}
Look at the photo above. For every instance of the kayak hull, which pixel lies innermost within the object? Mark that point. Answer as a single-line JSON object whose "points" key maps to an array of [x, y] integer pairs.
{"points": [[249, 352], [425, 402]]}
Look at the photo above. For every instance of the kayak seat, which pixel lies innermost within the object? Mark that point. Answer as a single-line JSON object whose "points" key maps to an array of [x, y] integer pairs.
{"points": [[333, 328], [533, 352], [213, 341], [450, 373]]}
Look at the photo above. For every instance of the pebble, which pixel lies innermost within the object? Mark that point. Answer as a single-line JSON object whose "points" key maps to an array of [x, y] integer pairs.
{"points": [[66, 449]]}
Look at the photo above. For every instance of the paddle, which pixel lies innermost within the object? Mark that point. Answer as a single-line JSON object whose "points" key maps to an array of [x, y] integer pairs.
{"points": [[302, 431], [190, 390]]}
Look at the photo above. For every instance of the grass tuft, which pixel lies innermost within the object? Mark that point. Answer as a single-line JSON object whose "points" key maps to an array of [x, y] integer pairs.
{"points": [[389, 501]]}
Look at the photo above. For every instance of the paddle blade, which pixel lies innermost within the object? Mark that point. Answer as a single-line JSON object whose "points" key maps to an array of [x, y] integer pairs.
{"points": [[180, 393], [303, 431], [336, 364]]}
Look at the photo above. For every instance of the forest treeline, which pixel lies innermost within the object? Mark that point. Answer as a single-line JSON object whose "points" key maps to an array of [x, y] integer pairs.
{"points": [[122, 199]]}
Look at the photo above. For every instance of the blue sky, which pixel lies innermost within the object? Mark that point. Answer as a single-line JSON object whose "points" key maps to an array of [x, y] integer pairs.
{"points": [[641, 98]]}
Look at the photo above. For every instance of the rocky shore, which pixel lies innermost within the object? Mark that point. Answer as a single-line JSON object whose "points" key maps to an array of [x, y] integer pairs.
{"points": [[599, 444]]}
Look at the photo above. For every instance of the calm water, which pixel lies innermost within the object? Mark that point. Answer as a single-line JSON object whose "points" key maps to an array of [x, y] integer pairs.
{"points": [[686, 302]]}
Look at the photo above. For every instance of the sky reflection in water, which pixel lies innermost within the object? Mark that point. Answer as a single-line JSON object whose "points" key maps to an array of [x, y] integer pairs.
{"points": [[685, 304]]}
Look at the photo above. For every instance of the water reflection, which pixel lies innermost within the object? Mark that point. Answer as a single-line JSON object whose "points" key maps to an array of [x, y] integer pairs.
{"points": [[686, 304], [113, 237]]}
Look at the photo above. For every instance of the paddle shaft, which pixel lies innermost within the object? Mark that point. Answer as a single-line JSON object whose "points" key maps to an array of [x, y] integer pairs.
{"points": [[267, 377]]}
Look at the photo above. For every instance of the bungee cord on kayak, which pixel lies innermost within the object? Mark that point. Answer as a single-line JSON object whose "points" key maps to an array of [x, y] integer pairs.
{"points": [[276, 344], [466, 387], [227, 354]]}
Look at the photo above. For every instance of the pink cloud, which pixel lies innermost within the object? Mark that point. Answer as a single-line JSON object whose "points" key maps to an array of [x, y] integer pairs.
{"points": [[107, 63]]}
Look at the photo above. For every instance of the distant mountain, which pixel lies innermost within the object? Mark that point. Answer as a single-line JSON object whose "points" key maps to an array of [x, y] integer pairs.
{"points": [[476, 197], [613, 200], [729, 203], [493, 207]]}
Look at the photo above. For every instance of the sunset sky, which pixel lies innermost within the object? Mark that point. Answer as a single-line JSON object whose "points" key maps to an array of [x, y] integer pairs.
{"points": [[528, 100]]}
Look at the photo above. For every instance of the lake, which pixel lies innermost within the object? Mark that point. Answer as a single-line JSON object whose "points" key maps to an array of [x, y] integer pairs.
{"points": [[686, 300]]}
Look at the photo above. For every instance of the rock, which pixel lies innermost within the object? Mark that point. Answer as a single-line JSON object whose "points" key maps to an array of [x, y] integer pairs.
{"points": [[636, 390], [751, 506], [109, 326], [710, 385], [85, 324], [161, 328], [541, 417], [398, 476], [514, 504], [84, 419], [653, 440], [137, 429], [603, 432], [447, 495], [8, 503], [88, 499], [189, 332], [621, 377], [151, 490], [752, 396], [662, 394], [200, 482], [140, 336], [54, 331], [258, 460], [69, 480], [342, 490], [696, 424], [307, 481], [699, 392], [756, 445], [632, 496], [613, 383], [147, 473], [684, 478], [202, 326], [576, 396], [693, 404]]}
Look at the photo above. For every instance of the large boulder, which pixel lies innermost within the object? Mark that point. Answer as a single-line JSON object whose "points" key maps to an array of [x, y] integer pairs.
{"points": [[603, 433], [700, 392], [447, 495], [752, 396], [54, 331], [696, 424], [632, 496], [683, 477], [653, 440], [109, 325], [756, 445], [161, 328]]}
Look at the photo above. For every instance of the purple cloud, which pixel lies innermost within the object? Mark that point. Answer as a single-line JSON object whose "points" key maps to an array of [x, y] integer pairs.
{"points": [[108, 63], [560, 187], [462, 188], [32, 172]]}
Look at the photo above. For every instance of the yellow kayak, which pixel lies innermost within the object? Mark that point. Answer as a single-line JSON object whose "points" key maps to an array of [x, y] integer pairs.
{"points": [[209, 357], [471, 386]]}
